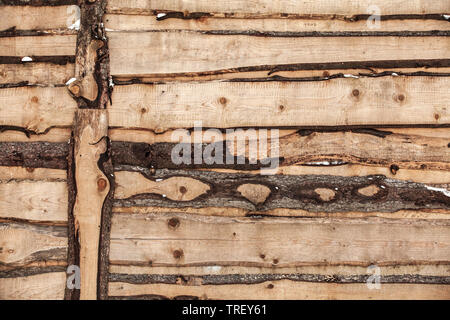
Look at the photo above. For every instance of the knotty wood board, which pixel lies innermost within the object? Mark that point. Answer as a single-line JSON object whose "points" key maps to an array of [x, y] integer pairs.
{"points": [[46, 286], [45, 74], [159, 107], [34, 200], [141, 239]]}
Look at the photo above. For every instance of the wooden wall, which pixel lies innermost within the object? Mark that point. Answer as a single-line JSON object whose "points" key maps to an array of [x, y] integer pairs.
{"points": [[86, 176]]}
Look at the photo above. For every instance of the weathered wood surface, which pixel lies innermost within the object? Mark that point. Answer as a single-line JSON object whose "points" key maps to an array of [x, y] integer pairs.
{"points": [[316, 193], [25, 245], [396, 150], [38, 18], [281, 289], [47, 286], [36, 109], [267, 7], [196, 52], [132, 22], [90, 130], [51, 155], [15, 134], [33, 200], [33, 174], [186, 240], [43, 74], [339, 102], [49, 45]]}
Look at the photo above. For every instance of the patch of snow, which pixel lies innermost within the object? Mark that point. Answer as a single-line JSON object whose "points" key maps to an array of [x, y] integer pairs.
{"points": [[394, 74], [160, 15], [70, 81], [446, 16], [350, 76], [26, 59], [443, 190], [212, 269]]}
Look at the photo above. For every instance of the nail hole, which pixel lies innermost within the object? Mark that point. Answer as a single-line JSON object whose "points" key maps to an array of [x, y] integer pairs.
{"points": [[394, 168]]}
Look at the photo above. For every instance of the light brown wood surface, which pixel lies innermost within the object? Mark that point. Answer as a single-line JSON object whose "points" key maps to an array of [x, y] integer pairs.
{"points": [[141, 239], [184, 52], [160, 107], [51, 45], [267, 7], [91, 126], [46, 286], [34, 200], [45, 74]]}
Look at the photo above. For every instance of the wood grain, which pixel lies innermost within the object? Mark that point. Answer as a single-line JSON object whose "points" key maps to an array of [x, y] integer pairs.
{"points": [[144, 239], [267, 7], [51, 45], [161, 107], [132, 22], [90, 129], [282, 290], [47, 286], [30, 200], [31, 18], [23, 244], [36, 109], [44, 74], [185, 52]]}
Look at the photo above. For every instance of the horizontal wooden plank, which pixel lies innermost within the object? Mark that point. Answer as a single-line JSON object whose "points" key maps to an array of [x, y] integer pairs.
{"points": [[193, 52], [51, 135], [20, 173], [187, 240], [44, 74], [36, 108], [123, 22], [51, 45], [316, 193], [419, 149], [30, 18], [25, 244], [50, 155], [339, 102], [339, 273], [47, 286], [281, 290], [34, 200], [268, 7]]}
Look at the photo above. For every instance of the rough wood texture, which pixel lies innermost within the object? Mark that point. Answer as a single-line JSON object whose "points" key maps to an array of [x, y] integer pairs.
{"points": [[34, 154], [291, 192], [43, 74], [38, 18], [186, 240], [123, 22], [394, 149], [194, 52], [268, 7], [20, 173], [30, 200], [47, 286], [281, 289], [36, 109], [50, 45], [24, 244], [90, 130], [361, 102]]}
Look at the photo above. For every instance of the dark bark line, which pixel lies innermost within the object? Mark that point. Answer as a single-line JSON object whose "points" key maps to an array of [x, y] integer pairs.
{"points": [[34, 154], [307, 34], [203, 16], [52, 230], [37, 3], [151, 297], [368, 65], [119, 82], [26, 84], [13, 32], [180, 279], [30, 271], [59, 60], [335, 193], [10, 220], [106, 166], [73, 249], [92, 37]]}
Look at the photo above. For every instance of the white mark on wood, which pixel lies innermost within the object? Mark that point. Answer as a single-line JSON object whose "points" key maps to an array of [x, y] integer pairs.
{"points": [[442, 190], [26, 59], [70, 81]]}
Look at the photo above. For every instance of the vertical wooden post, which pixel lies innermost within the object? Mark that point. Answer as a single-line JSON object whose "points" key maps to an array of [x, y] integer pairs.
{"points": [[90, 142]]}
